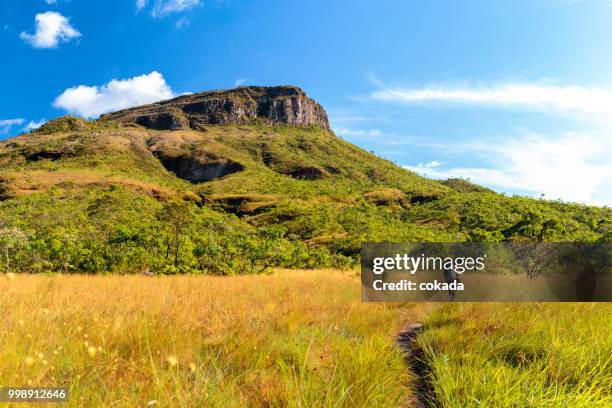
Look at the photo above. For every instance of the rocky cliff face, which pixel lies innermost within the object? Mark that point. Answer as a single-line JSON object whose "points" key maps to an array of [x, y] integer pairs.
{"points": [[253, 104]]}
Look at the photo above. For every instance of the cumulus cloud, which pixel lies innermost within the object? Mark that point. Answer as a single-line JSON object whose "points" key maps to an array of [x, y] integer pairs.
{"points": [[537, 97], [162, 8], [573, 167], [92, 101], [51, 29], [7, 124]]}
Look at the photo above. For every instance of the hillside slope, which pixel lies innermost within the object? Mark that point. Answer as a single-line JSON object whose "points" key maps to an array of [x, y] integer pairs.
{"points": [[233, 182]]}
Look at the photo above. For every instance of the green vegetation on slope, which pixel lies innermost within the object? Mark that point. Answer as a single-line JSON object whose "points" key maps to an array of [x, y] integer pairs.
{"points": [[98, 197]]}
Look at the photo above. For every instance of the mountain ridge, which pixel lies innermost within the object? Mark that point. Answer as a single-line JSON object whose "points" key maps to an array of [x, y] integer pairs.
{"points": [[287, 105]]}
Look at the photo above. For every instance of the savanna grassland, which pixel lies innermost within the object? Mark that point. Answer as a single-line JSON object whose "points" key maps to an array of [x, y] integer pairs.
{"points": [[520, 355], [194, 188], [291, 339], [294, 338]]}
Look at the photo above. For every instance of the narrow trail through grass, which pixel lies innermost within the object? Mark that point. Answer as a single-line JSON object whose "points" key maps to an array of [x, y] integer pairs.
{"points": [[417, 363]]}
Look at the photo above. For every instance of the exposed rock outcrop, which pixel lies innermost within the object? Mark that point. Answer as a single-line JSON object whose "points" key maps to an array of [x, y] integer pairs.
{"points": [[306, 172], [389, 197], [246, 105], [242, 204], [45, 154], [199, 168]]}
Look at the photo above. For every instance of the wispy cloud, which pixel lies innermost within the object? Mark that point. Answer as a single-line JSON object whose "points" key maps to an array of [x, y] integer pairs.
{"points": [[181, 23], [92, 101], [162, 8], [7, 124], [51, 29], [342, 131], [430, 165], [351, 119], [529, 96], [33, 125], [573, 167], [239, 81]]}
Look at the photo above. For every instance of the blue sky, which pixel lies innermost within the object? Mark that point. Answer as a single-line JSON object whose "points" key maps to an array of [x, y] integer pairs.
{"points": [[515, 95]]}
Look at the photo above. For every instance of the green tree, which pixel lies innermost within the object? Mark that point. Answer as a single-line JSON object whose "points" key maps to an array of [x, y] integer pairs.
{"points": [[12, 239], [177, 216]]}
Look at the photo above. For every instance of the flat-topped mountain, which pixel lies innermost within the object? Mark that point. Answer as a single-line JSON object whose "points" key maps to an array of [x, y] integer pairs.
{"points": [[232, 182], [286, 105]]}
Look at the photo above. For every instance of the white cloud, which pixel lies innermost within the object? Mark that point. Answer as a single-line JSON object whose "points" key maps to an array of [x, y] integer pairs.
{"points": [[430, 165], [7, 124], [33, 125], [164, 7], [51, 1], [51, 29], [537, 97], [573, 167], [181, 23], [353, 118], [239, 82], [11, 122], [140, 4], [358, 132], [92, 101]]}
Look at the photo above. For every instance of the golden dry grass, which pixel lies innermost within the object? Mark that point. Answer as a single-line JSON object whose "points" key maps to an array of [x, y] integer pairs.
{"points": [[36, 181], [294, 338], [520, 354]]}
